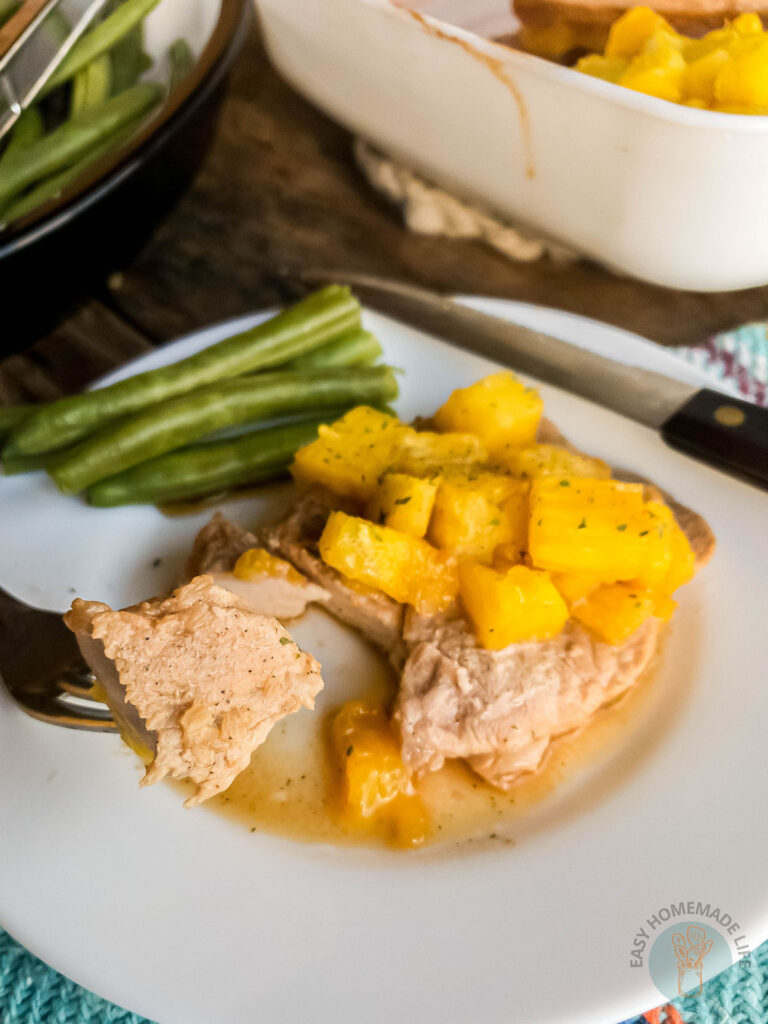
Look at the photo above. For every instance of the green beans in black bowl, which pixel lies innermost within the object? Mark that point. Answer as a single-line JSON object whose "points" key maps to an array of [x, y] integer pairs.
{"points": [[116, 137]]}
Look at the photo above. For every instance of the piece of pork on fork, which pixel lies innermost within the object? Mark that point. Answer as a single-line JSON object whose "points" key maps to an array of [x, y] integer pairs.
{"points": [[196, 680]]}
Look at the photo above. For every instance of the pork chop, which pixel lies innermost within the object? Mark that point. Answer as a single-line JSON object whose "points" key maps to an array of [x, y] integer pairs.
{"points": [[216, 549], [501, 709], [198, 679], [369, 611]]}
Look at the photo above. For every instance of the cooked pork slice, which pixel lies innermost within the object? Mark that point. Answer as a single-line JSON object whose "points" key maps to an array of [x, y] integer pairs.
{"points": [[501, 709], [218, 546], [697, 530], [372, 613], [198, 678], [280, 590]]}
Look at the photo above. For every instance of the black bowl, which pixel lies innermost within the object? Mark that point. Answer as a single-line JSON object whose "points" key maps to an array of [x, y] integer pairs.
{"points": [[56, 254]]}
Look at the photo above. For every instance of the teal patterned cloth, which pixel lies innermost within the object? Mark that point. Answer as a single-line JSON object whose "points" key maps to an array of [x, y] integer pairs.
{"points": [[31, 993]]}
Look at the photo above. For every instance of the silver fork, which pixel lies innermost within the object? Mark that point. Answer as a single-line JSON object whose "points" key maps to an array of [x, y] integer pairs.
{"points": [[41, 665]]}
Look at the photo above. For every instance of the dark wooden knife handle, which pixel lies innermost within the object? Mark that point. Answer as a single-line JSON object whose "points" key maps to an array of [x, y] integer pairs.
{"points": [[725, 432]]}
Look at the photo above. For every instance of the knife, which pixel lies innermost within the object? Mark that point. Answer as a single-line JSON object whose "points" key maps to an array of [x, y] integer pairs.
{"points": [[723, 431]]}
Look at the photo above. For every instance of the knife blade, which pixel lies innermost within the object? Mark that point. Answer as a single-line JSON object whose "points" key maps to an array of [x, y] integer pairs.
{"points": [[725, 432]]}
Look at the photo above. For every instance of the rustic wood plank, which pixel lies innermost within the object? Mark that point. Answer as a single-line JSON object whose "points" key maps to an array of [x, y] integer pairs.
{"points": [[90, 342]]}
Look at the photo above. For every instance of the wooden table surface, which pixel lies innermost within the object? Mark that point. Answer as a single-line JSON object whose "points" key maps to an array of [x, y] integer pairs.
{"points": [[280, 190]]}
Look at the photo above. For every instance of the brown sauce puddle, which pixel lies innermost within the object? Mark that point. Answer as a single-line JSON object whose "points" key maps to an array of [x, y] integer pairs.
{"points": [[291, 787]]}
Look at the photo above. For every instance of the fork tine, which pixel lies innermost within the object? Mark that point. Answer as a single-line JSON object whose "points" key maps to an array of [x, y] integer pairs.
{"points": [[79, 690], [52, 709]]}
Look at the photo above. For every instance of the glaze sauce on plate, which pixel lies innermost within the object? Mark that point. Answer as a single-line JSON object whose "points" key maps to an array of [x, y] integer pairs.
{"points": [[293, 784]]}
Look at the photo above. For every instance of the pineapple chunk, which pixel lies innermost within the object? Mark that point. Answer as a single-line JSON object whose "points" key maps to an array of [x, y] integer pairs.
{"points": [[615, 611], [629, 33], [657, 533], [404, 502], [474, 515], [575, 585], [423, 453], [499, 409], [406, 568], [665, 608], [507, 555], [587, 526], [513, 607], [258, 562], [376, 785], [682, 562], [349, 456], [669, 561], [553, 460]]}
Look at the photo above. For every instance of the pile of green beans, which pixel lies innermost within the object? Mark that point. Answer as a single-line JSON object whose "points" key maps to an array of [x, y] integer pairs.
{"points": [[154, 437], [91, 105]]}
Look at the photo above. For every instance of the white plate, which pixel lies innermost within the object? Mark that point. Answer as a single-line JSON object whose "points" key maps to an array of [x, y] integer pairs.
{"points": [[189, 919]]}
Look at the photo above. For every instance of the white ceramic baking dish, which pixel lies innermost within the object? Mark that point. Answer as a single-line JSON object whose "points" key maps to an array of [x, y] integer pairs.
{"points": [[673, 195]]}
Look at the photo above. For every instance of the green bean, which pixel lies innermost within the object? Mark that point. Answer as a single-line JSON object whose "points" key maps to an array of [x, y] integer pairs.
{"points": [[12, 415], [209, 468], [294, 332], [181, 60], [27, 130], [218, 406], [74, 138], [353, 348], [52, 187], [92, 85], [129, 61], [26, 464], [100, 39]]}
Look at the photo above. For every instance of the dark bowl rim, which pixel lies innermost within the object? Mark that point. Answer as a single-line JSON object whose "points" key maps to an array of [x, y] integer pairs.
{"points": [[223, 44]]}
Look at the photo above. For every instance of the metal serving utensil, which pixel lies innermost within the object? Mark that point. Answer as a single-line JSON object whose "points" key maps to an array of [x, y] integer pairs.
{"points": [[32, 46], [41, 665]]}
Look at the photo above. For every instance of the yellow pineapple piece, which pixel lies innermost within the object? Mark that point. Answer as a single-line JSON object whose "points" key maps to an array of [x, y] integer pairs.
{"points": [[406, 568], [664, 607], [682, 562], [424, 453], [404, 502], [499, 409], [579, 525], [657, 520], [553, 460], [474, 515], [615, 611], [513, 607], [376, 785], [507, 555], [629, 33], [658, 73], [669, 561], [575, 585], [258, 562], [700, 75], [350, 455], [744, 79], [610, 69]]}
